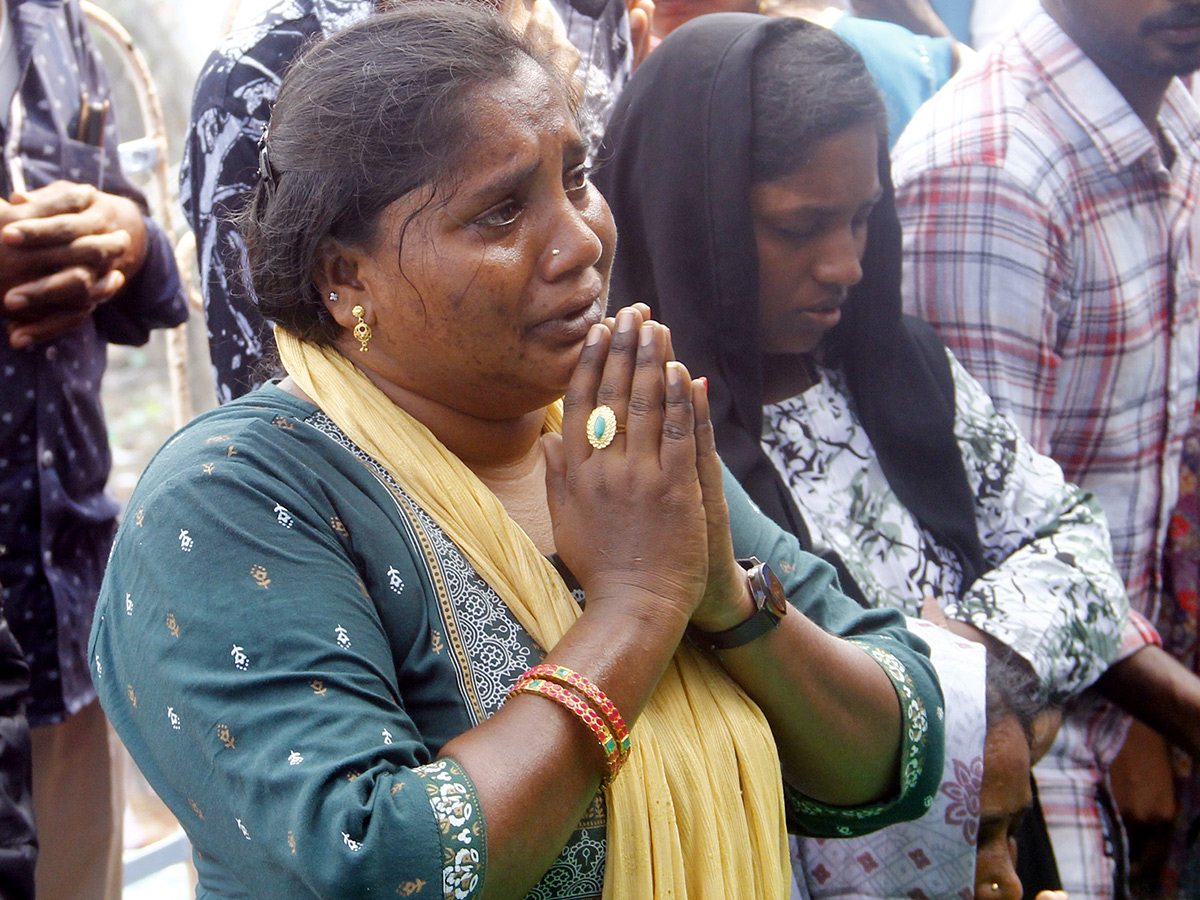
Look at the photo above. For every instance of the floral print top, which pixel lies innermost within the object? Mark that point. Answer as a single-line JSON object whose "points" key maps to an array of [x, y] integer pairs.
{"points": [[1052, 593]]}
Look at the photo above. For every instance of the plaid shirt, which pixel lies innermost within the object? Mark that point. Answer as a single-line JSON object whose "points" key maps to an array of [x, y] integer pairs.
{"points": [[1049, 242], [1050, 246]]}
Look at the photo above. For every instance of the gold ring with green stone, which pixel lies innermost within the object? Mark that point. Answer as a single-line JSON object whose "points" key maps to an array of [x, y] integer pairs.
{"points": [[602, 427]]}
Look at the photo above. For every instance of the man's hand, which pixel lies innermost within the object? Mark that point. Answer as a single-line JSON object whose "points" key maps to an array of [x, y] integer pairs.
{"points": [[64, 249]]}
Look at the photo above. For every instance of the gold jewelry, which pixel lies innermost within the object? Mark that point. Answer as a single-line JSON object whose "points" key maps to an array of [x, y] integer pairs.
{"points": [[995, 887], [602, 427], [362, 331]]}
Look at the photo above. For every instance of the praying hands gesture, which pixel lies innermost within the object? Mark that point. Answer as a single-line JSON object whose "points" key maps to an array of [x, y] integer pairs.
{"points": [[626, 498], [644, 518], [662, 418]]}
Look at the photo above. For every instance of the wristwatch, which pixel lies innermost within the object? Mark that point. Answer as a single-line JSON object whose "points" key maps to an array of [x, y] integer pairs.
{"points": [[770, 603]]}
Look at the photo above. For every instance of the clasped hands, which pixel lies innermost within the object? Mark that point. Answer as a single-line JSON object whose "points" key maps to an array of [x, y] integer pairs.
{"points": [[65, 249], [643, 521]]}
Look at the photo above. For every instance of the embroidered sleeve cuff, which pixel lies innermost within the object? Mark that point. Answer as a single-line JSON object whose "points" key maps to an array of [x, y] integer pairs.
{"points": [[920, 762], [460, 821]]}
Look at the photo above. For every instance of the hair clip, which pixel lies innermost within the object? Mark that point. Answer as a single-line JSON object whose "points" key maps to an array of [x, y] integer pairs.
{"points": [[265, 172]]}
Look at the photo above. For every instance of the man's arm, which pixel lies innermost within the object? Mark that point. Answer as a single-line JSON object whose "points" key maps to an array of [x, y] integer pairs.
{"points": [[219, 170], [1156, 688], [230, 109]]}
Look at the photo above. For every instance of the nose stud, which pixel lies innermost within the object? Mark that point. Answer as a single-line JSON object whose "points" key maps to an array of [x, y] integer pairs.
{"points": [[555, 252]]}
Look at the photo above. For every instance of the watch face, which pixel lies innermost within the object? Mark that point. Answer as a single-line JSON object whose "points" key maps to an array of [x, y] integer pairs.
{"points": [[771, 605], [776, 598]]}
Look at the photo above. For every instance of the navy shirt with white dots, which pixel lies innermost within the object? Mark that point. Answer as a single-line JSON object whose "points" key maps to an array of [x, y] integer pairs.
{"points": [[56, 523]]}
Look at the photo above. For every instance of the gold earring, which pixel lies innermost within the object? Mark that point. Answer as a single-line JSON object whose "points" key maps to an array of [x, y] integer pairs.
{"points": [[362, 331]]}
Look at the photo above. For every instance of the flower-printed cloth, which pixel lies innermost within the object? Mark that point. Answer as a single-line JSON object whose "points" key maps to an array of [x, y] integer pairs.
{"points": [[1053, 593]]}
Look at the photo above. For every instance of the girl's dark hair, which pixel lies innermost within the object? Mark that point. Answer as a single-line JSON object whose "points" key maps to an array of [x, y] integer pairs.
{"points": [[808, 84], [363, 118]]}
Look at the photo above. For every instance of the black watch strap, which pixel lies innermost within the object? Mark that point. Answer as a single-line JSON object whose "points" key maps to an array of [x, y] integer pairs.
{"points": [[771, 606]]}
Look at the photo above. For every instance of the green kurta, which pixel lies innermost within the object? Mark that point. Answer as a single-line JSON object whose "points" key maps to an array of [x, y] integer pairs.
{"points": [[285, 641]]}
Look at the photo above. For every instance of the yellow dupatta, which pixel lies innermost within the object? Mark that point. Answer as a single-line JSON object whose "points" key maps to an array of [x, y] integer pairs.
{"points": [[697, 811]]}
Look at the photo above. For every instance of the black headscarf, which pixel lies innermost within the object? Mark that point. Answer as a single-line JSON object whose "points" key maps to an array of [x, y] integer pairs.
{"points": [[676, 169]]}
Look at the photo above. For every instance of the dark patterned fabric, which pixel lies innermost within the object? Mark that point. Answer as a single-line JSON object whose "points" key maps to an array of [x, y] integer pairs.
{"points": [[56, 524], [1177, 624], [18, 837], [231, 107]]}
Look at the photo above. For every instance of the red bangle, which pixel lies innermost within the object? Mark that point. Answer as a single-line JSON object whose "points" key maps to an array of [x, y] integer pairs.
{"points": [[586, 714], [564, 676]]}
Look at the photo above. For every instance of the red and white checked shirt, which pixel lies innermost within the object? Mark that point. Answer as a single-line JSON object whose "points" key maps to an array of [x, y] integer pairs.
{"points": [[1050, 246]]}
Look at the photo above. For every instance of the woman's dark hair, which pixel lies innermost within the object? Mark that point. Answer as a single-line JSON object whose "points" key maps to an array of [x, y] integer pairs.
{"points": [[808, 84], [363, 118]]}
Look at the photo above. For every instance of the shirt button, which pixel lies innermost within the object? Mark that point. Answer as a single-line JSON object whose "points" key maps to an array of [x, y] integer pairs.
{"points": [[52, 353], [3, 550], [47, 458]]}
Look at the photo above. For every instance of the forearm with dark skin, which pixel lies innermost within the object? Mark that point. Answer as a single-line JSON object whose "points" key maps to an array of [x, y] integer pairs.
{"points": [[1151, 685], [535, 766], [839, 736]]}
